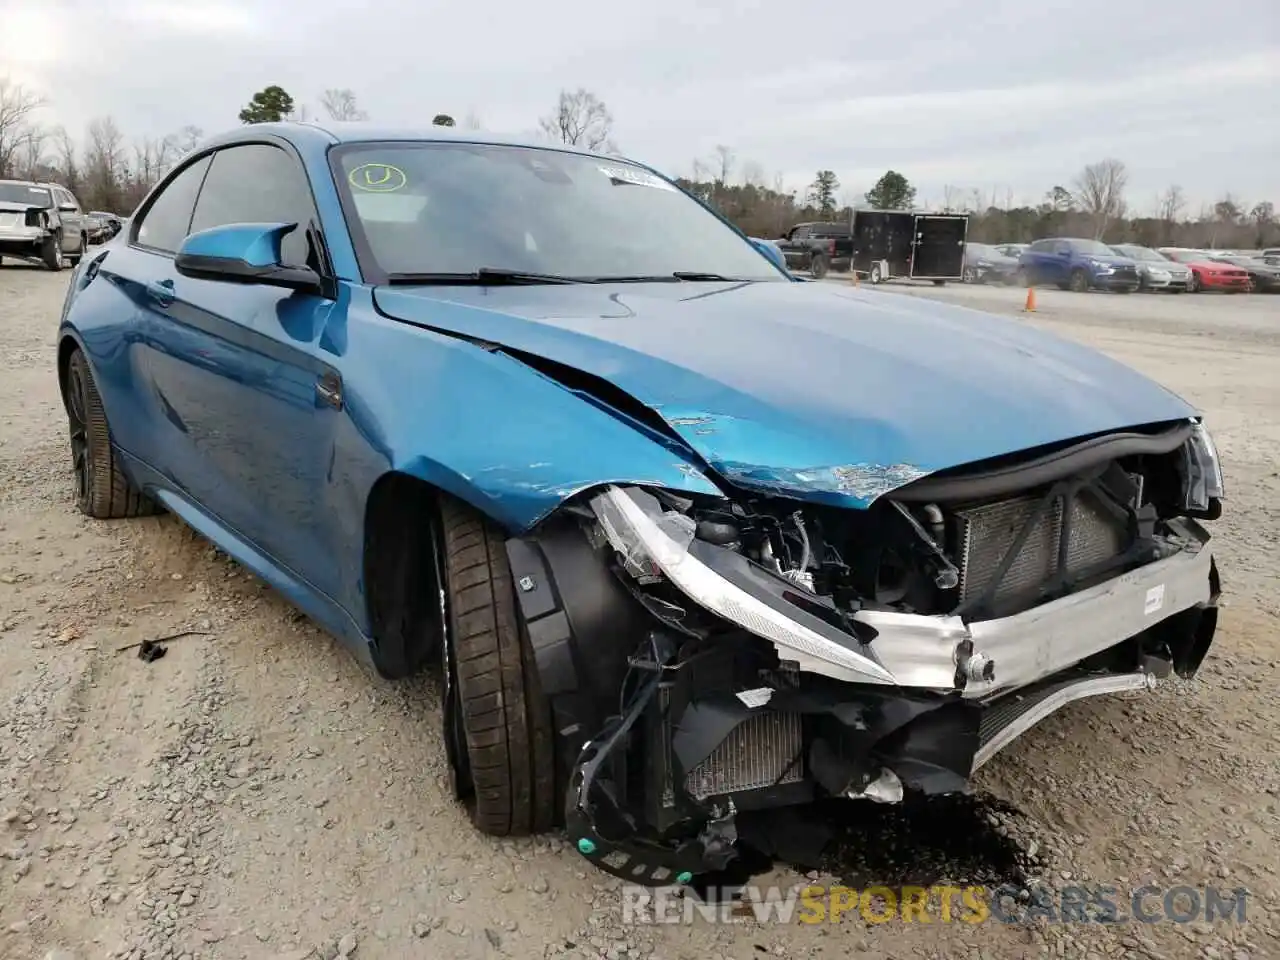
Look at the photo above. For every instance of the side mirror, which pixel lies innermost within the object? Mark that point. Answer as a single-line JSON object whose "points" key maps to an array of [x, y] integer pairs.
{"points": [[244, 253], [66, 208], [773, 253]]}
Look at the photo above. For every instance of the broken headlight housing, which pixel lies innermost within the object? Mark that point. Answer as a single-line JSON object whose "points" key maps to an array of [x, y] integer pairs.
{"points": [[1201, 471], [653, 543]]}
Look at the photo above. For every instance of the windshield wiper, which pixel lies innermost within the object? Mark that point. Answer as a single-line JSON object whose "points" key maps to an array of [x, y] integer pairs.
{"points": [[674, 277], [482, 276], [699, 275]]}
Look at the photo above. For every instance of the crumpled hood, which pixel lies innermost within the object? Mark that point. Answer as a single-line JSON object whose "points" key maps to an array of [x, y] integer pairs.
{"points": [[820, 391], [13, 206]]}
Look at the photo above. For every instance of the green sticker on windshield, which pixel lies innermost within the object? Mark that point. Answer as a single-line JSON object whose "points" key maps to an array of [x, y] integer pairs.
{"points": [[634, 175], [377, 178]]}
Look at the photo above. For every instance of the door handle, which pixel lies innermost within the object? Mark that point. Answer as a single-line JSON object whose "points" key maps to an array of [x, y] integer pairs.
{"points": [[161, 291]]}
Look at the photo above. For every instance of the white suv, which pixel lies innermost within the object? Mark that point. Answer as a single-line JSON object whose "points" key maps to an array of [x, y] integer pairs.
{"points": [[41, 222]]}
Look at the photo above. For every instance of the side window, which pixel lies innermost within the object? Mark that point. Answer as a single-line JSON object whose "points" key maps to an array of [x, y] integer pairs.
{"points": [[258, 183], [1040, 246], [166, 223], [800, 233], [1062, 246]]}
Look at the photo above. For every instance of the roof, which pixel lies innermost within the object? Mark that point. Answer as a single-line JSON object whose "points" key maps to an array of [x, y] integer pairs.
{"points": [[334, 132]]}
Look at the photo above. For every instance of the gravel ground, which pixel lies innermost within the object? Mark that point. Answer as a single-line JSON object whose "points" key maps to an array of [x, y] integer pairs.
{"points": [[256, 793]]}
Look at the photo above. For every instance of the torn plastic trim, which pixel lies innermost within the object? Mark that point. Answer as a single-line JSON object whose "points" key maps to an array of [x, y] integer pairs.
{"points": [[1092, 687], [999, 481], [1014, 651], [651, 542]]}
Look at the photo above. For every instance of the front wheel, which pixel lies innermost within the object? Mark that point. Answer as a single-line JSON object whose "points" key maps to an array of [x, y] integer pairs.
{"points": [[1193, 285], [499, 707], [875, 273], [1079, 281], [102, 489], [51, 252]]}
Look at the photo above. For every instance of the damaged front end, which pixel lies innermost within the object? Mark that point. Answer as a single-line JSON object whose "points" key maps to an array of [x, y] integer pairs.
{"points": [[706, 656]]}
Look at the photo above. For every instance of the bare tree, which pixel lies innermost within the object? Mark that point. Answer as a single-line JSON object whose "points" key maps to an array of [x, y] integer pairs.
{"points": [[65, 160], [1172, 203], [1100, 193], [17, 104], [752, 174], [580, 119], [187, 139], [724, 163], [341, 104], [104, 162], [30, 160], [472, 121], [950, 198]]}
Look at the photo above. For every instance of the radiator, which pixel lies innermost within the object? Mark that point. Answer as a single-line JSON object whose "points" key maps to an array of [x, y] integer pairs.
{"points": [[987, 532], [756, 754]]}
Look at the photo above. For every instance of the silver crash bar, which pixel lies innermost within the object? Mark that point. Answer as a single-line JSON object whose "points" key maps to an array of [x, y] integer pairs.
{"points": [[926, 651]]}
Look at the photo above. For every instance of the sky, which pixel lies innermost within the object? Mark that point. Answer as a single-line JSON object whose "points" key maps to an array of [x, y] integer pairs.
{"points": [[1008, 98]]}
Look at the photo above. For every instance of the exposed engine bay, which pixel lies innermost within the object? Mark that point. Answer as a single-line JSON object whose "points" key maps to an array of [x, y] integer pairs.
{"points": [[708, 656]]}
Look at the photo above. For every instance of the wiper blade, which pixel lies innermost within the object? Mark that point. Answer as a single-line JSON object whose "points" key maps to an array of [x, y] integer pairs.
{"points": [[699, 275], [482, 276]]}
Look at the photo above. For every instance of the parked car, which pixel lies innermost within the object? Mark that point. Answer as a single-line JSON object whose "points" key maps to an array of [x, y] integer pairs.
{"points": [[817, 247], [41, 223], [1011, 249], [1076, 264], [1271, 255], [111, 220], [96, 228], [1155, 270], [1263, 277], [986, 264], [659, 513], [1207, 273]]}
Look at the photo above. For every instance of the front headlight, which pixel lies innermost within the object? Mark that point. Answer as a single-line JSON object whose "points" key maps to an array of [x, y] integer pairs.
{"points": [[1201, 471], [653, 542]]}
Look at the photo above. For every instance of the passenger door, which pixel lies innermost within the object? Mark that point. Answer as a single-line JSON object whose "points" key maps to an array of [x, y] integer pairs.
{"points": [[72, 220], [242, 374], [796, 247]]}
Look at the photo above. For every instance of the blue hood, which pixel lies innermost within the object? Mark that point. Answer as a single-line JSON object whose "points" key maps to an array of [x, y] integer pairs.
{"points": [[822, 392]]}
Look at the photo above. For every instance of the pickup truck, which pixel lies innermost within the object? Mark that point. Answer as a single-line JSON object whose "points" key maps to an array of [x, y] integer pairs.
{"points": [[817, 247]]}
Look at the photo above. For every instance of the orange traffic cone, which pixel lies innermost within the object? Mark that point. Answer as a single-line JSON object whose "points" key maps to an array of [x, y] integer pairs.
{"points": [[1030, 306]]}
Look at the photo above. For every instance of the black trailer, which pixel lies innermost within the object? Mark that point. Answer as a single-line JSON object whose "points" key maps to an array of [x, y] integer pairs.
{"points": [[894, 244]]}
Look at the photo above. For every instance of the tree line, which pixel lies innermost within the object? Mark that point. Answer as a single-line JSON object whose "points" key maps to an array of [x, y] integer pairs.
{"points": [[108, 172]]}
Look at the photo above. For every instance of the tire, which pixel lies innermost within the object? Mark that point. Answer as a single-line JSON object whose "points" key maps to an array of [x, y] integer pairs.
{"points": [[874, 276], [51, 252], [505, 720], [818, 266], [102, 489], [1079, 281], [969, 275], [939, 283], [1193, 285]]}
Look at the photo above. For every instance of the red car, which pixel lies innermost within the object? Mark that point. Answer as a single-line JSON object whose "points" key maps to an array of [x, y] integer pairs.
{"points": [[1207, 274]]}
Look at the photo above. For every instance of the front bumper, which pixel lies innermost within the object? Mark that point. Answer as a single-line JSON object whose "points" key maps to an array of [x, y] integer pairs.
{"points": [[1115, 281], [655, 784], [1209, 281]]}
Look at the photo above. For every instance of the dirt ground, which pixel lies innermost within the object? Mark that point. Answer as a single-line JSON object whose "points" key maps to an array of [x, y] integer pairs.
{"points": [[256, 793]]}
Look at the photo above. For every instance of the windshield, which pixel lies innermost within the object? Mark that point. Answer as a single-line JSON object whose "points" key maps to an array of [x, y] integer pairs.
{"points": [[454, 208], [1140, 253], [1093, 248], [25, 193], [981, 250]]}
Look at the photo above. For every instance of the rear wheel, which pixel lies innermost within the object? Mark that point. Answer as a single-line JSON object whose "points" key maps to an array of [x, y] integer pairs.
{"points": [[499, 709], [51, 252], [818, 266], [102, 489]]}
